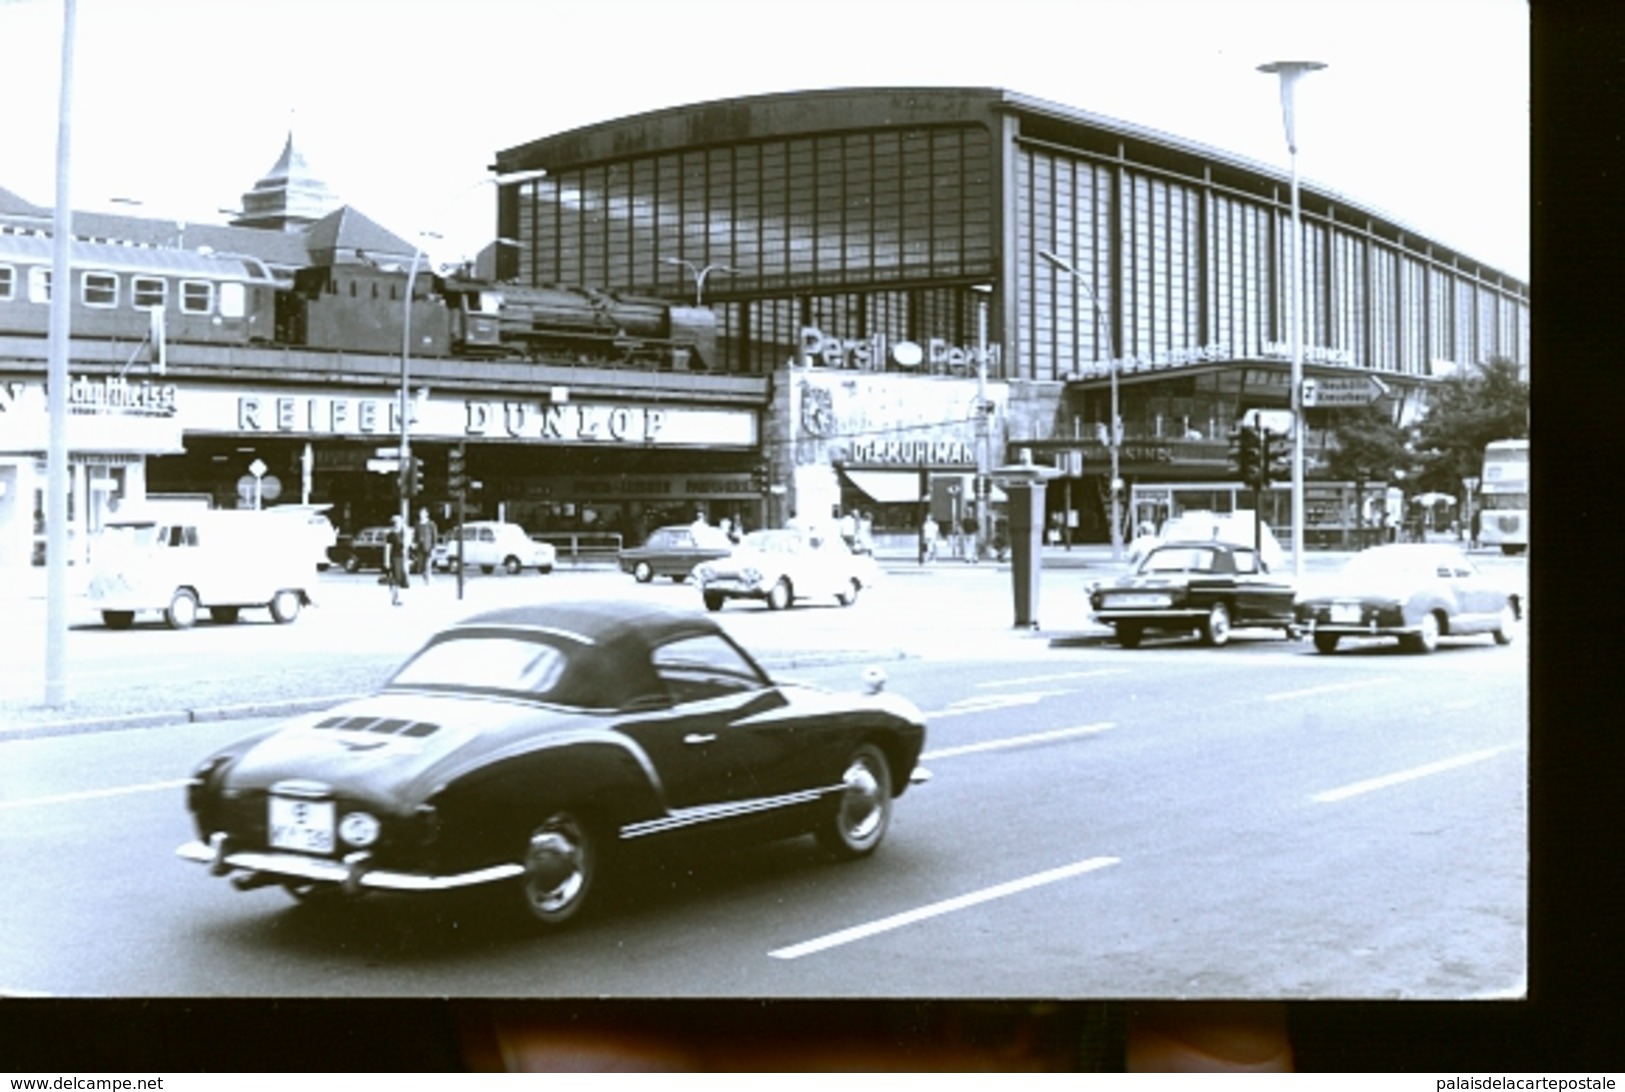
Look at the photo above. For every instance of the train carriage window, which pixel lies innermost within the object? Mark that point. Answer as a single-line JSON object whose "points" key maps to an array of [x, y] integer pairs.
{"points": [[99, 289], [233, 300], [146, 292], [8, 282], [197, 297], [39, 285]]}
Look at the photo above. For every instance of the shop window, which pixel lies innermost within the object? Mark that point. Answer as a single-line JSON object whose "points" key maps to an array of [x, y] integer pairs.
{"points": [[99, 290], [197, 297], [148, 292]]}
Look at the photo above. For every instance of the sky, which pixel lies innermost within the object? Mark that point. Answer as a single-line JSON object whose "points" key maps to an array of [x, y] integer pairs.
{"points": [[1422, 113]]}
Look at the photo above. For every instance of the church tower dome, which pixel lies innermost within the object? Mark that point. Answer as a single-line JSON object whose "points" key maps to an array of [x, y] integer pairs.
{"points": [[289, 198]]}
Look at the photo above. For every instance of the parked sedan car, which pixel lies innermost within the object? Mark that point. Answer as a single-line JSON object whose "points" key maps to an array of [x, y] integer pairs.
{"points": [[782, 566], [527, 747], [1204, 587], [487, 544], [673, 552], [364, 550], [1416, 592]]}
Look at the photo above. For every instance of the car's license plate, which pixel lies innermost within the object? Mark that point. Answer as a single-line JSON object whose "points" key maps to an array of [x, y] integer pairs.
{"points": [[1346, 612], [305, 826]]}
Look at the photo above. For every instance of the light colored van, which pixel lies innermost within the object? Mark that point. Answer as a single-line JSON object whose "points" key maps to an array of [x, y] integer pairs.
{"points": [[181, 563]]}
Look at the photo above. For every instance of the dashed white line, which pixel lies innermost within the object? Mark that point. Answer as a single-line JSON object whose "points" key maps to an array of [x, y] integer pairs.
{"points": [[90, 794], [994, 701], [936, 909], [1330, 688], [1016, 741], [1331, 796]]}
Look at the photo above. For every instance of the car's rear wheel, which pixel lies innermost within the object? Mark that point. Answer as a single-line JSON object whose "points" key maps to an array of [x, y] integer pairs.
{"points": [[561, 858], [285, 606], [488, 569], [225, 615], [1216, 626], [850, 596], [1326, 642], [182, 610], [352, 564], [118, 619], [780, 595], [1503, 627], [860, 813], [1129, 634], [714, 600], [642, 572], [1426, 637]]}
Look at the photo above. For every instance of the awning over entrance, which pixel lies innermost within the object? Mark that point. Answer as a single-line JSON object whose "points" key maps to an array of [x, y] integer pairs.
{"points": [[898, 486], [887, 486]]}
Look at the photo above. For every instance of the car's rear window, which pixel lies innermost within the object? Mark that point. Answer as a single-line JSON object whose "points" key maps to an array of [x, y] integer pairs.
{"points": [[533, 664]]}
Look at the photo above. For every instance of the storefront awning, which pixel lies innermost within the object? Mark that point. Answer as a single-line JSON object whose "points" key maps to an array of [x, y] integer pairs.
{"points": [[898, 486], [887, 486]]}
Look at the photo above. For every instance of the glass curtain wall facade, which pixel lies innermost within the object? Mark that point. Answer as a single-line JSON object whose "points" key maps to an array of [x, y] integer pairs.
{"points": [[858, 233]]}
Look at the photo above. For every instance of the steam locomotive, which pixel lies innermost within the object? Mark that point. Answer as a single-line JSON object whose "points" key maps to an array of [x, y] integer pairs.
{"points": [[137, 292]]}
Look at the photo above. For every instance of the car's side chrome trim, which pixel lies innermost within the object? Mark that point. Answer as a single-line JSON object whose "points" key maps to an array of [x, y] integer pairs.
{"points": [[683, 818], [351, 873]]}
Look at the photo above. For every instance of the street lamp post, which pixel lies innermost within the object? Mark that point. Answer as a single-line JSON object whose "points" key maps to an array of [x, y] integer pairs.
{"points": [[1113, 435], [984, 427], [699, 273], [1289, 72]]}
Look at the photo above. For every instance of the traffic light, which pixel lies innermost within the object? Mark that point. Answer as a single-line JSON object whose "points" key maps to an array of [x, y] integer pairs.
{"points": [[1246, 457], [456, 472], [1276, 457], [759, 478], [411, 476]]}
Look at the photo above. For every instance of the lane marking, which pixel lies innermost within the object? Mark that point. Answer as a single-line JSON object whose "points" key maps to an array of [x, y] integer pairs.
{"points": [[1331, 796], [1330, 688], [995, 701], [936, 909], [1016, 741], [1030, 679], [91, 794]]}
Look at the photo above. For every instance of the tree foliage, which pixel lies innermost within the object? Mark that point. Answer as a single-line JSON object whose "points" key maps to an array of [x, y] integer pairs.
{"points": [[1367, 446], [1467, 411]]}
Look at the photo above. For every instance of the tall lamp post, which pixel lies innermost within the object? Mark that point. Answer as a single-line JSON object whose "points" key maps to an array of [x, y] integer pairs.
{"points": [[984, 427], [1113, 437], [1289, 72], [699, 273], [406, 341]]}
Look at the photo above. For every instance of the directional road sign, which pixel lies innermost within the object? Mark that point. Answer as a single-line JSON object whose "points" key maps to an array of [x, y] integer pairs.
{"points": [[1342, 390]]}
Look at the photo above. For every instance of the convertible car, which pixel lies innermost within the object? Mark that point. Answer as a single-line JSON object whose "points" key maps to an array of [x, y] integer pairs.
{"points": [[1204, 587], [524, 747], [1415, 592]]}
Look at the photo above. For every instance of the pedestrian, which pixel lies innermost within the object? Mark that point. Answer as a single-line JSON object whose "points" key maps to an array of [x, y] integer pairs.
{"points": [[928, 538], [395, 545], [1475, 524], [424, 538]]}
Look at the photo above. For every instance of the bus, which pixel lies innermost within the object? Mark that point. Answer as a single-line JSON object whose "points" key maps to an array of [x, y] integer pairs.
{"points": [[1503, 496]]}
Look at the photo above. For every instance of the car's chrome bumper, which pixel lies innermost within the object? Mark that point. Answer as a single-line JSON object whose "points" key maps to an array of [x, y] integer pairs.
{"points": [[354, 873], [1151, 616]]}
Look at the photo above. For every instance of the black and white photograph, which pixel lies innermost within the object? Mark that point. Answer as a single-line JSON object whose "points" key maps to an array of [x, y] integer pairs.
{"points": [[716, 501]]}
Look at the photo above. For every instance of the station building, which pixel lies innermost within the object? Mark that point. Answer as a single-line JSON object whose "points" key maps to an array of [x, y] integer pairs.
{"points": [[864, 246]]}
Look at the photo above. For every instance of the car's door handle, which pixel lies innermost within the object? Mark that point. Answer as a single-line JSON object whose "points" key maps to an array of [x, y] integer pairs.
{"points": [[700, 737]]}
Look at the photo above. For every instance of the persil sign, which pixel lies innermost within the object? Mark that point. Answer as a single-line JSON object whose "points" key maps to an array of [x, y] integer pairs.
{"points": [[876, 354]]}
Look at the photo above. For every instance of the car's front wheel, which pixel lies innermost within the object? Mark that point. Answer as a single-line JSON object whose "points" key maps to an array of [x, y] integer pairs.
{"points": [[861, 810], [850, 595], [118, 619], [1503, 627], [224, 615], [1326, 642], [643, 572], [1426, 637], [714, 600], [561, 858], [510, 565], [285, 606], [1129, 634], [352, 564], [779, 596], [1216, 626], [182, 610]]}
